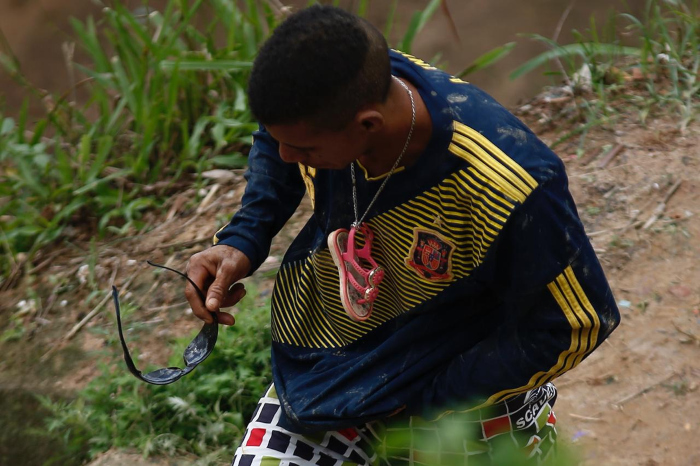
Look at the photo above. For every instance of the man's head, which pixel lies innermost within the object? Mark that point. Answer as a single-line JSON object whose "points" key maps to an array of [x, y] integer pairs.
{"points": [[320, 86], [320, 66]]}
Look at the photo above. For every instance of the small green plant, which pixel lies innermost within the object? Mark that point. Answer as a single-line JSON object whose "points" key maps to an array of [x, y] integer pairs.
{"points": [[670, 50], [166, 98], [679, 388], [169, 100], [661, 71], [443, 442], [204, 413]]}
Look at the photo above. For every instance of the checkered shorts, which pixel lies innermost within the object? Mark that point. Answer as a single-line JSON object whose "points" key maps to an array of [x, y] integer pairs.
{"points": [[523, 425]]}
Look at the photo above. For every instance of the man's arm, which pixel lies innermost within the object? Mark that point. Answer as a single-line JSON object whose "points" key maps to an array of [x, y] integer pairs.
{"points": [[542, 337], [273, 193], [556, 306]]}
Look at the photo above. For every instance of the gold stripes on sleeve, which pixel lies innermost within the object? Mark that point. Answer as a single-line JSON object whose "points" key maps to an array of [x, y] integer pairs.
{"points": [[215, 239], [492, 163], [417, 61], [585, 325]]}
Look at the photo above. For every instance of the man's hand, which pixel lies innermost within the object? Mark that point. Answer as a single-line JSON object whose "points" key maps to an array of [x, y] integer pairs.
{"points": [[214, 270]]}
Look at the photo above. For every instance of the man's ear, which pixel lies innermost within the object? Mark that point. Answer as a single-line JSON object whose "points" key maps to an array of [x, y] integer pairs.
{"points": [[371, 120]]}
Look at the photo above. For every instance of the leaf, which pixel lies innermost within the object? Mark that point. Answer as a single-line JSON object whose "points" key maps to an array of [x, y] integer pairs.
{"points": [[488, 59], [8, 124], [418, 22], [104, 146], [94, 184], [388, 25], [232, 161], [583, 50], [30, 178], [206, 65]]}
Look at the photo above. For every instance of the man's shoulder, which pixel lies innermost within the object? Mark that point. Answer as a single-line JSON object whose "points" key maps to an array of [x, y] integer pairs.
{"points": [[483, 130], [439, 81], [465, 102]]}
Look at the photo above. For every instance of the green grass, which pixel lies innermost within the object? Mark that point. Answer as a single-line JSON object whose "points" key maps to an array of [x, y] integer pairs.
{"points": [[657, 73], [204, 413], [166, 101]]}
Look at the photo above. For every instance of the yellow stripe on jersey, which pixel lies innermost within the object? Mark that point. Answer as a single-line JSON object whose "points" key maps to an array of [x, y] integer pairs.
{"points": [[417, 61], [368, 177], [491, 163], [483, 168], [428, 66], [495, 152], [576, 307], [215, 239], [501, 170], [466, 211], [308, 174]]}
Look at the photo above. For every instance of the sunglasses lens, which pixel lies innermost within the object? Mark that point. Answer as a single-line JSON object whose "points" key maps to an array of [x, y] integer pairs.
{"points": [[202, 345], [163, 376]]}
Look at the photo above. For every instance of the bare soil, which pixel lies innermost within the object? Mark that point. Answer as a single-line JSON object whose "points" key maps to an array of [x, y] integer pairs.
{"points": [[633, 402]]}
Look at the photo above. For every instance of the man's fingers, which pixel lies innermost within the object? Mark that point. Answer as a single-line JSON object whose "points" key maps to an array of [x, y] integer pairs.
{"points": [[214, 271], [235, 294], [197, 305], [219, 289], [200, 275], [225, 318]]}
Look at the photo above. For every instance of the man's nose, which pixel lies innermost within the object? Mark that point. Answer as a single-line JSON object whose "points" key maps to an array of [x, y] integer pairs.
{"points": [[291, 155]]}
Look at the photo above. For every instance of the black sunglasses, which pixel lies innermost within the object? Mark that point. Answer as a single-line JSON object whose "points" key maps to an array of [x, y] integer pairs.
{"points": [[197, 351]]}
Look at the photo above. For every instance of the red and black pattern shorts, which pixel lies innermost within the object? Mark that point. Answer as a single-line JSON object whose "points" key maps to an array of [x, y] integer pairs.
{"points": [[523, 425]]}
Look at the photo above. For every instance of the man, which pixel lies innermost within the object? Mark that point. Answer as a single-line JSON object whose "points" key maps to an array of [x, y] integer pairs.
{"points": [[444, 274]]}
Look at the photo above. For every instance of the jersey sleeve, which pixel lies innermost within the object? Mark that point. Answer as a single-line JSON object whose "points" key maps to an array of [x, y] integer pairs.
{"points": [[555, 306], [274, 190]]}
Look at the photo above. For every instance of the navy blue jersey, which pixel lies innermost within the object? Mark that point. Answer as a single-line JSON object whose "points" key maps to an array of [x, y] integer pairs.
{"points": [[491, 289]]}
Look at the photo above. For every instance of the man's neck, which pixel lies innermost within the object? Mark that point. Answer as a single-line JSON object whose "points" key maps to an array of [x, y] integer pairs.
{"points": [[389, 143]]}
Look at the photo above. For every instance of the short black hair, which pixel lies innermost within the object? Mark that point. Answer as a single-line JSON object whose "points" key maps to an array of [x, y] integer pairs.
{"points": [[321, 65]]}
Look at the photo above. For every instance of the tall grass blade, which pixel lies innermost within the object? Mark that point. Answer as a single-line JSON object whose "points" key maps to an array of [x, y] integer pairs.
{"points": [[570, 50], [206, 65], [488, 59], [418, 22]]}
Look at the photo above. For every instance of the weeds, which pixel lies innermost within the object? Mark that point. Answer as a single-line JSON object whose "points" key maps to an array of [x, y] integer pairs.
{"points": [[169, 101], [600, 73], [204, 413], [166, 99]]}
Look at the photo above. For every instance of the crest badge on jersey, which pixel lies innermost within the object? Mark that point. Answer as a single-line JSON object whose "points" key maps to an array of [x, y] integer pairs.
{"points": [[431, 255]]}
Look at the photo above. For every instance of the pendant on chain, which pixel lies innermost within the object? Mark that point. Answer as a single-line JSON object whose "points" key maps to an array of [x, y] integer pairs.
{"points": [[360, 275]]}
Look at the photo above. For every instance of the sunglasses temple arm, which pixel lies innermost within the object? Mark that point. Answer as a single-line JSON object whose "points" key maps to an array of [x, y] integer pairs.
{"points": [[199, 292], [127, 356], [184, 275]]}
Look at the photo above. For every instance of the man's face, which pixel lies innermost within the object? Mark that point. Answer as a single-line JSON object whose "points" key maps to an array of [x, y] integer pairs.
{"points": [[319, 148]]}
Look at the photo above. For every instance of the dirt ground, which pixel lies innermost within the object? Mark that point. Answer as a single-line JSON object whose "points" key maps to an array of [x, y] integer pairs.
{"points": [[635, 401]]}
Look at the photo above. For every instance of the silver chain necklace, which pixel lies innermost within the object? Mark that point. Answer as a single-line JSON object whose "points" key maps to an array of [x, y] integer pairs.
{"points": [[358, 222]]}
